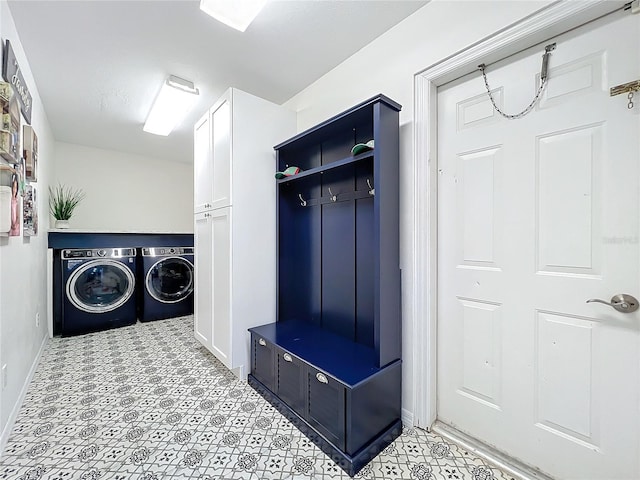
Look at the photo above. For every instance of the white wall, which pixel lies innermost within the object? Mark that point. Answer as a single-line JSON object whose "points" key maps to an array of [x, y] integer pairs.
{"points": [[387, 65], [126, 192], [23, 261]]}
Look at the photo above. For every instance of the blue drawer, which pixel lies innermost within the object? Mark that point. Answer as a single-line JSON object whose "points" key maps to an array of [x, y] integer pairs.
{"points": [[262, 361], [290, 381], [326, 406]]}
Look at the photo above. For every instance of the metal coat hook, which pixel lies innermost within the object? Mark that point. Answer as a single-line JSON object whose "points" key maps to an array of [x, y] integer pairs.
{"points": [[333, 197], [303, 202], [372, 191]]}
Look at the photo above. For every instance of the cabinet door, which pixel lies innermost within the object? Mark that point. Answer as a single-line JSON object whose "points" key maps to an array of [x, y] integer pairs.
{"points": [[202, 166], [326, 406], [220, 117], [203, 306], [221, 288], [290, 384], [262, 365]]}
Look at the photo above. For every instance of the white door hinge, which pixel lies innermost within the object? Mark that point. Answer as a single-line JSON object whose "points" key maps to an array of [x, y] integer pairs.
{"points": [[634, 6]]}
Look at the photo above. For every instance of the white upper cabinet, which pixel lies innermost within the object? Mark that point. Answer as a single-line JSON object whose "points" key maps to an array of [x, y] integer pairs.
{"points": [[221, 135], [202, 165]]}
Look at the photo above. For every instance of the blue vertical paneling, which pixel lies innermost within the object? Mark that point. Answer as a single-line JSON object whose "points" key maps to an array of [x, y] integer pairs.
{"points": [[364, 272], [364, 131], [338, 146], [299, 267], [338, 268], [288, 285], [304, 158]]}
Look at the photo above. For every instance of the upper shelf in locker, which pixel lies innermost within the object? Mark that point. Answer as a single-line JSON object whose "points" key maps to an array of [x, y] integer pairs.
{"points": [[324, 168], [363, 112]]}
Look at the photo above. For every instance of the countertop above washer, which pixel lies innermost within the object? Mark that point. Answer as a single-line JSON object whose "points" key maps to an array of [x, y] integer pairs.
{"points": [[59, 239]]}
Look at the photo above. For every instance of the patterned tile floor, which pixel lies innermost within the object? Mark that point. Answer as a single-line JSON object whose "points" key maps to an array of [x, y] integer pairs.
{"points": [[148, 402]]}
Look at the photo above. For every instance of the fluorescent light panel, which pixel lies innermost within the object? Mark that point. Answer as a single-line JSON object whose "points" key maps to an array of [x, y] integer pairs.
{"points": [[175, 100], [237, 14]]}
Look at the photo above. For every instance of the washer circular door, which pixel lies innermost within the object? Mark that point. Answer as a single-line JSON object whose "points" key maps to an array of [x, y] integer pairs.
{"points": [[100, 286], [170, 280]]}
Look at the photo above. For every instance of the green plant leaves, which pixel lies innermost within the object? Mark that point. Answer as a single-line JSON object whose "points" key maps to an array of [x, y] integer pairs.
{"points": [[63, 200]]}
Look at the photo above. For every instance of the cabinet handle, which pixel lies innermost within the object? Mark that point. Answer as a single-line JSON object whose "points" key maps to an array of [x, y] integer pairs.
{"points": [[262, 342], [287, 357], [322, 378]]}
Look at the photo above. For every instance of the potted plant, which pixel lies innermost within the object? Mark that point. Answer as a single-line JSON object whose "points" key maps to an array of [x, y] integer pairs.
{"points": [[62, 201]]}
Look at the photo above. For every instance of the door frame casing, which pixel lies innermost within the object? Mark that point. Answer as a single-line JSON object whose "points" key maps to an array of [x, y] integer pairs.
{"points": [[545, 24]]}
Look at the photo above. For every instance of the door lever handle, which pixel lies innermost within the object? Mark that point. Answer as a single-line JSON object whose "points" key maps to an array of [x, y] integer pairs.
{"points": [[622, 303]]}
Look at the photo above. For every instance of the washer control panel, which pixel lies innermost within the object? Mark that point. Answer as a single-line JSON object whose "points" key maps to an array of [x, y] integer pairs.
{"points": [[98, 253], [166, 251]]}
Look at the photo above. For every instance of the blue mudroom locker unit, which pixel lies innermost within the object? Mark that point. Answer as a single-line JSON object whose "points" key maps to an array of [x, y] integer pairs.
{"points": [[332, 361]]}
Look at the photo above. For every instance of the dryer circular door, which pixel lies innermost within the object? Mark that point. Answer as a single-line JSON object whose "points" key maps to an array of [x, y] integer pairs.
{"points": [[170, 280], [100, 286]]}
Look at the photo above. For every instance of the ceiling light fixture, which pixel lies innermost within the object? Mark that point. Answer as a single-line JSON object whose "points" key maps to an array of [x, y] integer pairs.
{"points": [[237, 14], [177, 96]]}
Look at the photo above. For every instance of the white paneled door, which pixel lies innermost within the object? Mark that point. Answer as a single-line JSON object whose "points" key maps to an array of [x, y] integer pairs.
{"points": [[222, 284], [203, 303], [535, 217]]}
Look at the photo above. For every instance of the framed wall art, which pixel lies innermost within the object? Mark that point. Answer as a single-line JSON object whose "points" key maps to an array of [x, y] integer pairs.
{"points": [[14, 231], [30, 152], [29, 212], [12, 74], [10, 132]]}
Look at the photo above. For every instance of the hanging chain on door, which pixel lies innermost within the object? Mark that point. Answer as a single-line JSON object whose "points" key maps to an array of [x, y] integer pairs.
{"points": [[543, 81]]}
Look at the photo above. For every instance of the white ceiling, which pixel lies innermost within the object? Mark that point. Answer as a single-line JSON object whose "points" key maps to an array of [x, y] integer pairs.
{"points": [[98, 65]]}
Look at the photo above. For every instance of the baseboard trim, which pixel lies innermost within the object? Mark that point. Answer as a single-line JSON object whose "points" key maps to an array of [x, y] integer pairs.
{"points": [[4, 439], [511, 466], [407, 418]]}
